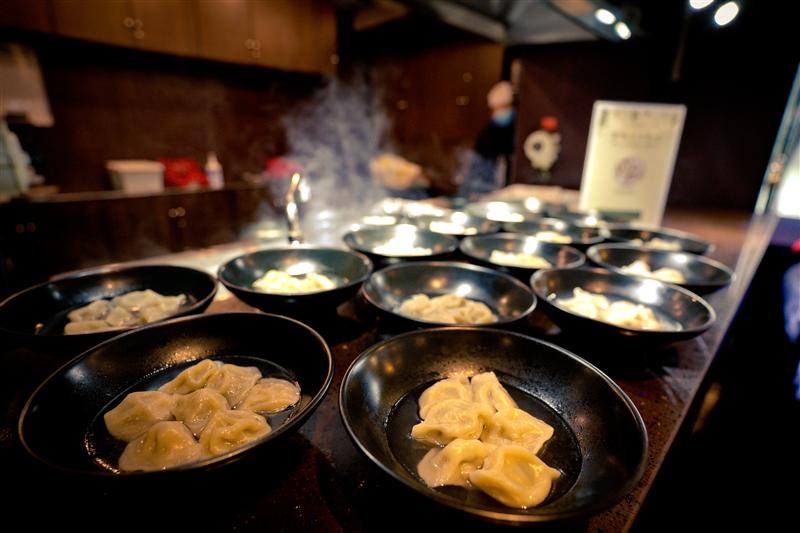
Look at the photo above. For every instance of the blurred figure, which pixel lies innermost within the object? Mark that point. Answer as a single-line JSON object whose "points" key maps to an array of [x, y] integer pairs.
{"points": [[490, 165]]}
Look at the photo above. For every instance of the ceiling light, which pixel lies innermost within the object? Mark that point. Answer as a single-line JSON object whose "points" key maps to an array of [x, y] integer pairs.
{"points": [[622, 30], [697, 5], [726, 13], [605, 16]]}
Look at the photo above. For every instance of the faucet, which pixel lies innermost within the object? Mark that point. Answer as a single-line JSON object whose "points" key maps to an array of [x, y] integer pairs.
{"points": [[292, 212]]}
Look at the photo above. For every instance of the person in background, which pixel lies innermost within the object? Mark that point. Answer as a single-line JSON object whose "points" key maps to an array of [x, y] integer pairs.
{"points": [[490, 165]]}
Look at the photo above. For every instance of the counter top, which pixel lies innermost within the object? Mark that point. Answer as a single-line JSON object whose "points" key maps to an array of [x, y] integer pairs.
{"points": [[320, 481]]}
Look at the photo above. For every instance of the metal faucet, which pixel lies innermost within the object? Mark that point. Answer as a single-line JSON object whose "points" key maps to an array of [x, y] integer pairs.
{"points": [[292, 212]]}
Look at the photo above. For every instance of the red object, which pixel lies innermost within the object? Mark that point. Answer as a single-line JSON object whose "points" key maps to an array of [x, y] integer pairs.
{"points": [[280, 167], [183, 172], [549, 123]]}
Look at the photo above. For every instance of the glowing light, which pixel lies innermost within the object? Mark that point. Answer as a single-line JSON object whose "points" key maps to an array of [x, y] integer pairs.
{"points": [[605, 16], [647, 292], [463, 289], [459, 218], [533, 204], [300, 269], [697, 5], [726, 13], [622, 30]]}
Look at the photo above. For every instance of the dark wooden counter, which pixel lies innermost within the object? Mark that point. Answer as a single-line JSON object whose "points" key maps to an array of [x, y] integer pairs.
{"points": [[319, 480]]}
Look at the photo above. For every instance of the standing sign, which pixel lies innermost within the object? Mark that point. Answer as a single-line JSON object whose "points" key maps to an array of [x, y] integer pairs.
{"points": [[630, 158]]}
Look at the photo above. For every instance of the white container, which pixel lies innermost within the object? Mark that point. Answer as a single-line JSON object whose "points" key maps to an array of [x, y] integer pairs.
{"points": [[136, 175], [214, 171]]}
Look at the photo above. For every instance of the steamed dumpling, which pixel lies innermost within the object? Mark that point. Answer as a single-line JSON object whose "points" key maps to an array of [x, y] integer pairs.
{"points": [[454, 388], [136, 300], [453, 464], [166, 444], [488, 391], [96, 310], [137, 413], [233, 381], [514, 476], [227, 430], [196, 408], [271, 395], [87, 326], [161, 308], [193, 378], [119, 317], [449, 420], [515, 426]]}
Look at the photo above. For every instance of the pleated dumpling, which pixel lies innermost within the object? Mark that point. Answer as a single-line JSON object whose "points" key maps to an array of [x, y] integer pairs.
{"points": [[195, 409], [515, 426], [86, 326], [454, 388], [514, 476], [449, 420], [136, 300], [271, 395], [165, 445], [161, 308], [137, 412], [487, 390], [97, 310], [193, 378], [452, 464], [227, 430], [233, 381]]}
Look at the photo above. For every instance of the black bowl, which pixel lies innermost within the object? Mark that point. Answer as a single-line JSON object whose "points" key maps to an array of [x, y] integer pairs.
{"points": [[581, 237], [703, 275], [480, 249], [599, 443], [365, 240], [508, 298], [348, 269], [36, 316], [686, 242], [688, 314], [458, 223], [62, 420]]}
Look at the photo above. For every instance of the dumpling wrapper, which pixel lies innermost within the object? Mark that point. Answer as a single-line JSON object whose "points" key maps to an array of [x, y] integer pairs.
{"points": [[135, 300], [515, 426], [449, 420], [514, 476], [119, 317], [453, 464], [233, 381], [137, 412], [196, 408], [87, 326], [165, 445], [193, 378], [271, 395], [487, 390], [453, 388], [227, 430], [97, 310], [161, 308]]}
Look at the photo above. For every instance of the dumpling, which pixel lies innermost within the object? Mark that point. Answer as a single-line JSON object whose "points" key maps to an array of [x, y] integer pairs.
{"points": [[196, 408], [165, 445], [137, 412], [233, 382], [452, 464], [193, 378], [449, 420], [515, 426], [454, 388], [87, 326], [94, 311], [119, 317], [488, 391], [514, 476], [271, 395], [161, 308], [136, 300], [227, 430]]}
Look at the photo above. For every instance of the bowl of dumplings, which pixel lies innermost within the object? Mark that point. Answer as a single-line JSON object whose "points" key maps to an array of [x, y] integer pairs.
{"points": [[696, 273], [82, 309], [657, 238], [296, 280], [597, 302], [490, 422], [187, 395], [558, 231]]}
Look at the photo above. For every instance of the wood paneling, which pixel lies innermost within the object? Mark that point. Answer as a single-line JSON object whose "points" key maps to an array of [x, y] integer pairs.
{"points": [[166, 26], [225, 29], [26, 14], [107, 21]]}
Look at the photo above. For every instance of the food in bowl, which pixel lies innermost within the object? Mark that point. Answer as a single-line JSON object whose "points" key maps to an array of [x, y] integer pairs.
{"points": [[483, 441], [447, 309], [209, 409], [401, 246], [553, 236], [641, 268], [658, 244], [281, 282], [521, 259], [619, 312], [129, 309]]}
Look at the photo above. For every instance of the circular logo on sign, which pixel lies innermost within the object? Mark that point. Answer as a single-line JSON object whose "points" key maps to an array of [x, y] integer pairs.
{"points": [[629, 170]]}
